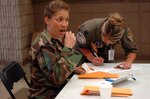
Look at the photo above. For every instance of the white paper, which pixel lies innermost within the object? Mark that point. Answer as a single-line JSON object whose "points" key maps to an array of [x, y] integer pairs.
{"points": [[86, 67]]}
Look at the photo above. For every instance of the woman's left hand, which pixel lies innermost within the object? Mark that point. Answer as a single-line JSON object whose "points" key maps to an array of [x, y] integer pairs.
{"points": [[124, 65]]}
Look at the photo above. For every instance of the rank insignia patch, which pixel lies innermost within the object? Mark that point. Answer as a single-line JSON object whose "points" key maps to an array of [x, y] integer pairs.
{"points": [[81, 38]]}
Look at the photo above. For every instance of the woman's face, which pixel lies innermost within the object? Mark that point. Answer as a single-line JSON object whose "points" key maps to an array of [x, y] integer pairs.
{"points": [[57, 25], [106, 39]]}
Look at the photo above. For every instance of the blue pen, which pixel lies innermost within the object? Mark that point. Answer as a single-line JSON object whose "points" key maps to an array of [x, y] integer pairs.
{"points": [[110, 80]]}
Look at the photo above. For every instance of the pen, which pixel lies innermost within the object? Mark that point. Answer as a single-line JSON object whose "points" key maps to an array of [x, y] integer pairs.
{"points": [[94, 53], [133, 78], [109, 80]]}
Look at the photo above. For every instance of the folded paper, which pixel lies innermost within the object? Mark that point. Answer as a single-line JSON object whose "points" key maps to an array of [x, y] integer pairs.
{"points": [[117, 92], [86, 67], [98, 74]]}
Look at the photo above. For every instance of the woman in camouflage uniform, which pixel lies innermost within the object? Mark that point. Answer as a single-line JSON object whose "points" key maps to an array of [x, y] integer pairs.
{"points": [[53, 56], [97, 36]]}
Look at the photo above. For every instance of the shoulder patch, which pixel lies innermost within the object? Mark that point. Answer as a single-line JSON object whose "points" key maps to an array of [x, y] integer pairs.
{"points": [[81, 38]]}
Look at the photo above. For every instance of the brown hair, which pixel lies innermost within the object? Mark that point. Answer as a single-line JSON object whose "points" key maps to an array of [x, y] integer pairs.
{"points": [[54, 6], [116, 26], [116, 19]]}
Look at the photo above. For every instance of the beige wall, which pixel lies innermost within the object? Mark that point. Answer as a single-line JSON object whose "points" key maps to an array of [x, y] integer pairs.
{"points": [[19, 19], [136, 14], [16, 27]]}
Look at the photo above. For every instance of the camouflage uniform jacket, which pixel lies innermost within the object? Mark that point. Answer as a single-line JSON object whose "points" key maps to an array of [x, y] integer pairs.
{"points": [[90, 32], [52, 64]]}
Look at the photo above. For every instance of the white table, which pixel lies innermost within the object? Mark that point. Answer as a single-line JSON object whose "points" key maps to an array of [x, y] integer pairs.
{"points": [[140, 87]]}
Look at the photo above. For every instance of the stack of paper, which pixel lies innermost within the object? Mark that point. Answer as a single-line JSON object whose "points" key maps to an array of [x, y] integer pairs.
{"points": [[98, 74], [117, 92]]}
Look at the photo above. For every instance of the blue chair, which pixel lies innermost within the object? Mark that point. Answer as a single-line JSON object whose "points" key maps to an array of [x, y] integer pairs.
{"points": [[10, 74]]}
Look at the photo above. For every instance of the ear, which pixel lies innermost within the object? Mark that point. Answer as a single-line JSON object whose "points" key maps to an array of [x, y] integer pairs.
{"points": [[46, 19]]}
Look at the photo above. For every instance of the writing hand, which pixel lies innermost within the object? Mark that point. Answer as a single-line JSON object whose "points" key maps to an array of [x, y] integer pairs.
{"points": [[97, 61]]}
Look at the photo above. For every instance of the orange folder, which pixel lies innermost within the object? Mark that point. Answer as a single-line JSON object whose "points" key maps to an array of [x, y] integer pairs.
{"points": [[98, 74], [94, 90]]}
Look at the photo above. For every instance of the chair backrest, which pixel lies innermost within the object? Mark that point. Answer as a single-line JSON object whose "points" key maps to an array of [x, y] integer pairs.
{"points": [[10, 74]]}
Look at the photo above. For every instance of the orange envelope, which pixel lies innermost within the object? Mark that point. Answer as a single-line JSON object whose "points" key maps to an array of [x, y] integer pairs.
{"points": [[98, 74], [94, 90]]}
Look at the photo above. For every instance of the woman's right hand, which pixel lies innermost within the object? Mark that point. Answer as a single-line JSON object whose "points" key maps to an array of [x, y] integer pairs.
{"points": [[69, 40], [97, 61], [79, 70]]}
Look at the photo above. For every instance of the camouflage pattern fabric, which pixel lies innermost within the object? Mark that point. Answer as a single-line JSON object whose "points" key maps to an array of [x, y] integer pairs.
{"points": [[52, 63], [89, 36]]}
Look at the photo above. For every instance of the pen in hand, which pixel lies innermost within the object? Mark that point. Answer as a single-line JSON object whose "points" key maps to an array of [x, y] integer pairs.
{"points": [[97, 60], [94, 53]]}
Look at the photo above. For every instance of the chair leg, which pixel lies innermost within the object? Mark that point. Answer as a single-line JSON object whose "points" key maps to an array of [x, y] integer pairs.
{"points": [[26, 81], [11, 94], [9, 90]]}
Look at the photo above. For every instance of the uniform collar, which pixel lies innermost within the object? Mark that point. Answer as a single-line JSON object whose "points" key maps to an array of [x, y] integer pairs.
{"points": [[46, 34], [48, 37]]}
